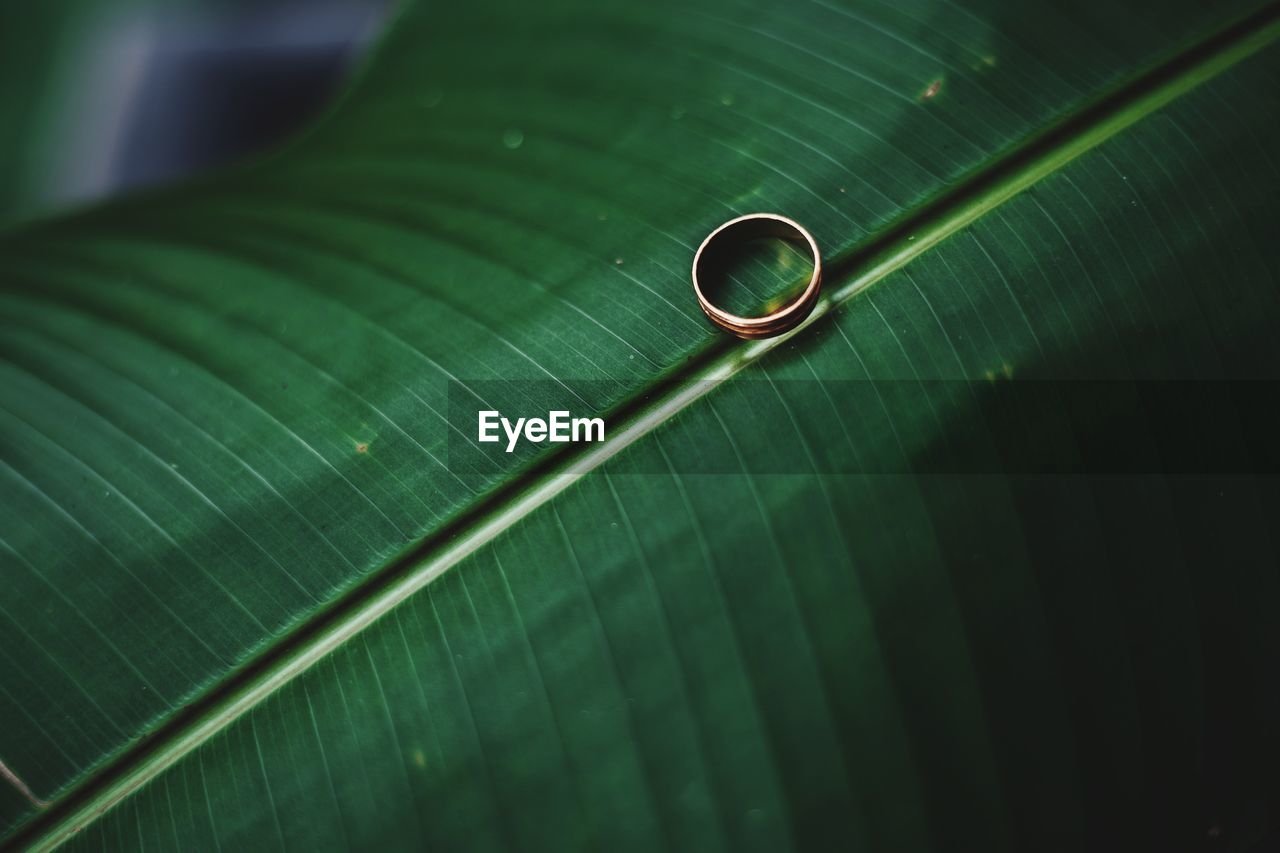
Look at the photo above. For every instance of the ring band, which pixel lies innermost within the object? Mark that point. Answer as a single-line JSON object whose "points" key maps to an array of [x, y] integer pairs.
{"points": [[749, 227]]}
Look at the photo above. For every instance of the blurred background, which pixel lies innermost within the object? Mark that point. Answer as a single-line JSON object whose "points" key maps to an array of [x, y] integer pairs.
{"points": [[100, 97]]}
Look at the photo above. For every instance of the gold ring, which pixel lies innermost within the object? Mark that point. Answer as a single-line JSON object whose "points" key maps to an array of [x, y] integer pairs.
{"points": [[749, 227]]}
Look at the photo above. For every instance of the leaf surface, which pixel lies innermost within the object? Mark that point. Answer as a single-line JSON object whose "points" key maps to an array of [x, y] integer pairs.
{"points": [[226, 406], [910, 645]]}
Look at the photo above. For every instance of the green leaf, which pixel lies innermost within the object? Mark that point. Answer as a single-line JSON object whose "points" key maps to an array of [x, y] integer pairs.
{"points": [[36, 92], [226, 427]]}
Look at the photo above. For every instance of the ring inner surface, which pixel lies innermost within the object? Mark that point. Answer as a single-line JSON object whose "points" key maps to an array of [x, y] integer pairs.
{"points": [[755, 268]]}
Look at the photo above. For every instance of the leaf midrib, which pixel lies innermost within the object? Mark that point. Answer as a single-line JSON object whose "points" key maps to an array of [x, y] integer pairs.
{"points": [[930, 223]]}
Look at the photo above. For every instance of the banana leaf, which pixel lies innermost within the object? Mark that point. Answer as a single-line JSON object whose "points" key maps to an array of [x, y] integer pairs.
{"points": [[979, 557]]}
